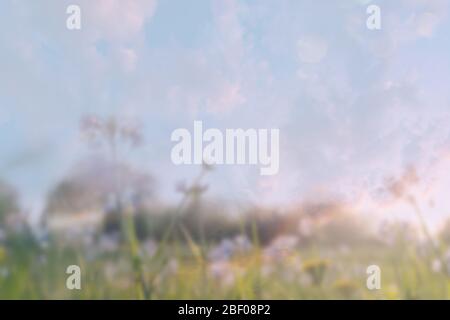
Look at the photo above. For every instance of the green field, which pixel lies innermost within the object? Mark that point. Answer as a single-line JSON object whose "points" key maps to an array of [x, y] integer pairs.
{"points": [[187, 270]]}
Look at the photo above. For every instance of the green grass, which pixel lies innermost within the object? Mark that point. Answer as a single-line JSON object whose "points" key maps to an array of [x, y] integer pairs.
{"points": [[182, 271]]}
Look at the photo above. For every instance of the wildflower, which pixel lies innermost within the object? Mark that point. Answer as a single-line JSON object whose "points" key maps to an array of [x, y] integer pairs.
{"points": [[316, 269], [346, 288], [391, 292], [281, 247], [242, 244], [223, 251], [229, 247], [442, 265], [224, 272], [436, 266]]}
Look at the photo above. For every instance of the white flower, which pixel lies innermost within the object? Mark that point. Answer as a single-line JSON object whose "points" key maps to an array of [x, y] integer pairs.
{"points": [[436, 265], [172, 266], [223, 272], [305, 227], [229, 247], [223, 251], [242, 244], [281, 247], [442, 265]]}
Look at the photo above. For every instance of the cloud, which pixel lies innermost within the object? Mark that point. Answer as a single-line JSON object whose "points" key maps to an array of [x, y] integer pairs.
{"points": [[115, 20], [230, 33], [128, 59], [403, 23], [312, 49], [228, 98], [353, 106], [426, 24]]}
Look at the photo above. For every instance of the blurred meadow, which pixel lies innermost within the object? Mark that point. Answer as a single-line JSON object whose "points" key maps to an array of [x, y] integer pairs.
{"points": [[104, 217], [86, 176]]}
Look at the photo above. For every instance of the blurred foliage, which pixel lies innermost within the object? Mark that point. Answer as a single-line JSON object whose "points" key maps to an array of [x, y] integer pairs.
{"points": [[444, 234], [90, 186], [213, 223], [8, 202]]}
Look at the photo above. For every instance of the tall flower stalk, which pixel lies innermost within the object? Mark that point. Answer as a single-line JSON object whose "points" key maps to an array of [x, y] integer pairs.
{"points": [[399, 189], [113, 135]]}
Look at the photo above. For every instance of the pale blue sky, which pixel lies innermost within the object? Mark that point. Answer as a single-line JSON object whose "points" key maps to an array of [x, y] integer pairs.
{"points": [[353, 106]]}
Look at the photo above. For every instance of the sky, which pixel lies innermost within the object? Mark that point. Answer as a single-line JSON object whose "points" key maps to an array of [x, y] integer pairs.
{"points": [[356, 108]]}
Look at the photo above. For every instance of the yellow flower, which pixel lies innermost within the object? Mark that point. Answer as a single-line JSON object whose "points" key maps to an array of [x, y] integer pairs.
{"points": [[316, 269], [392, 292], [346, 288]]}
